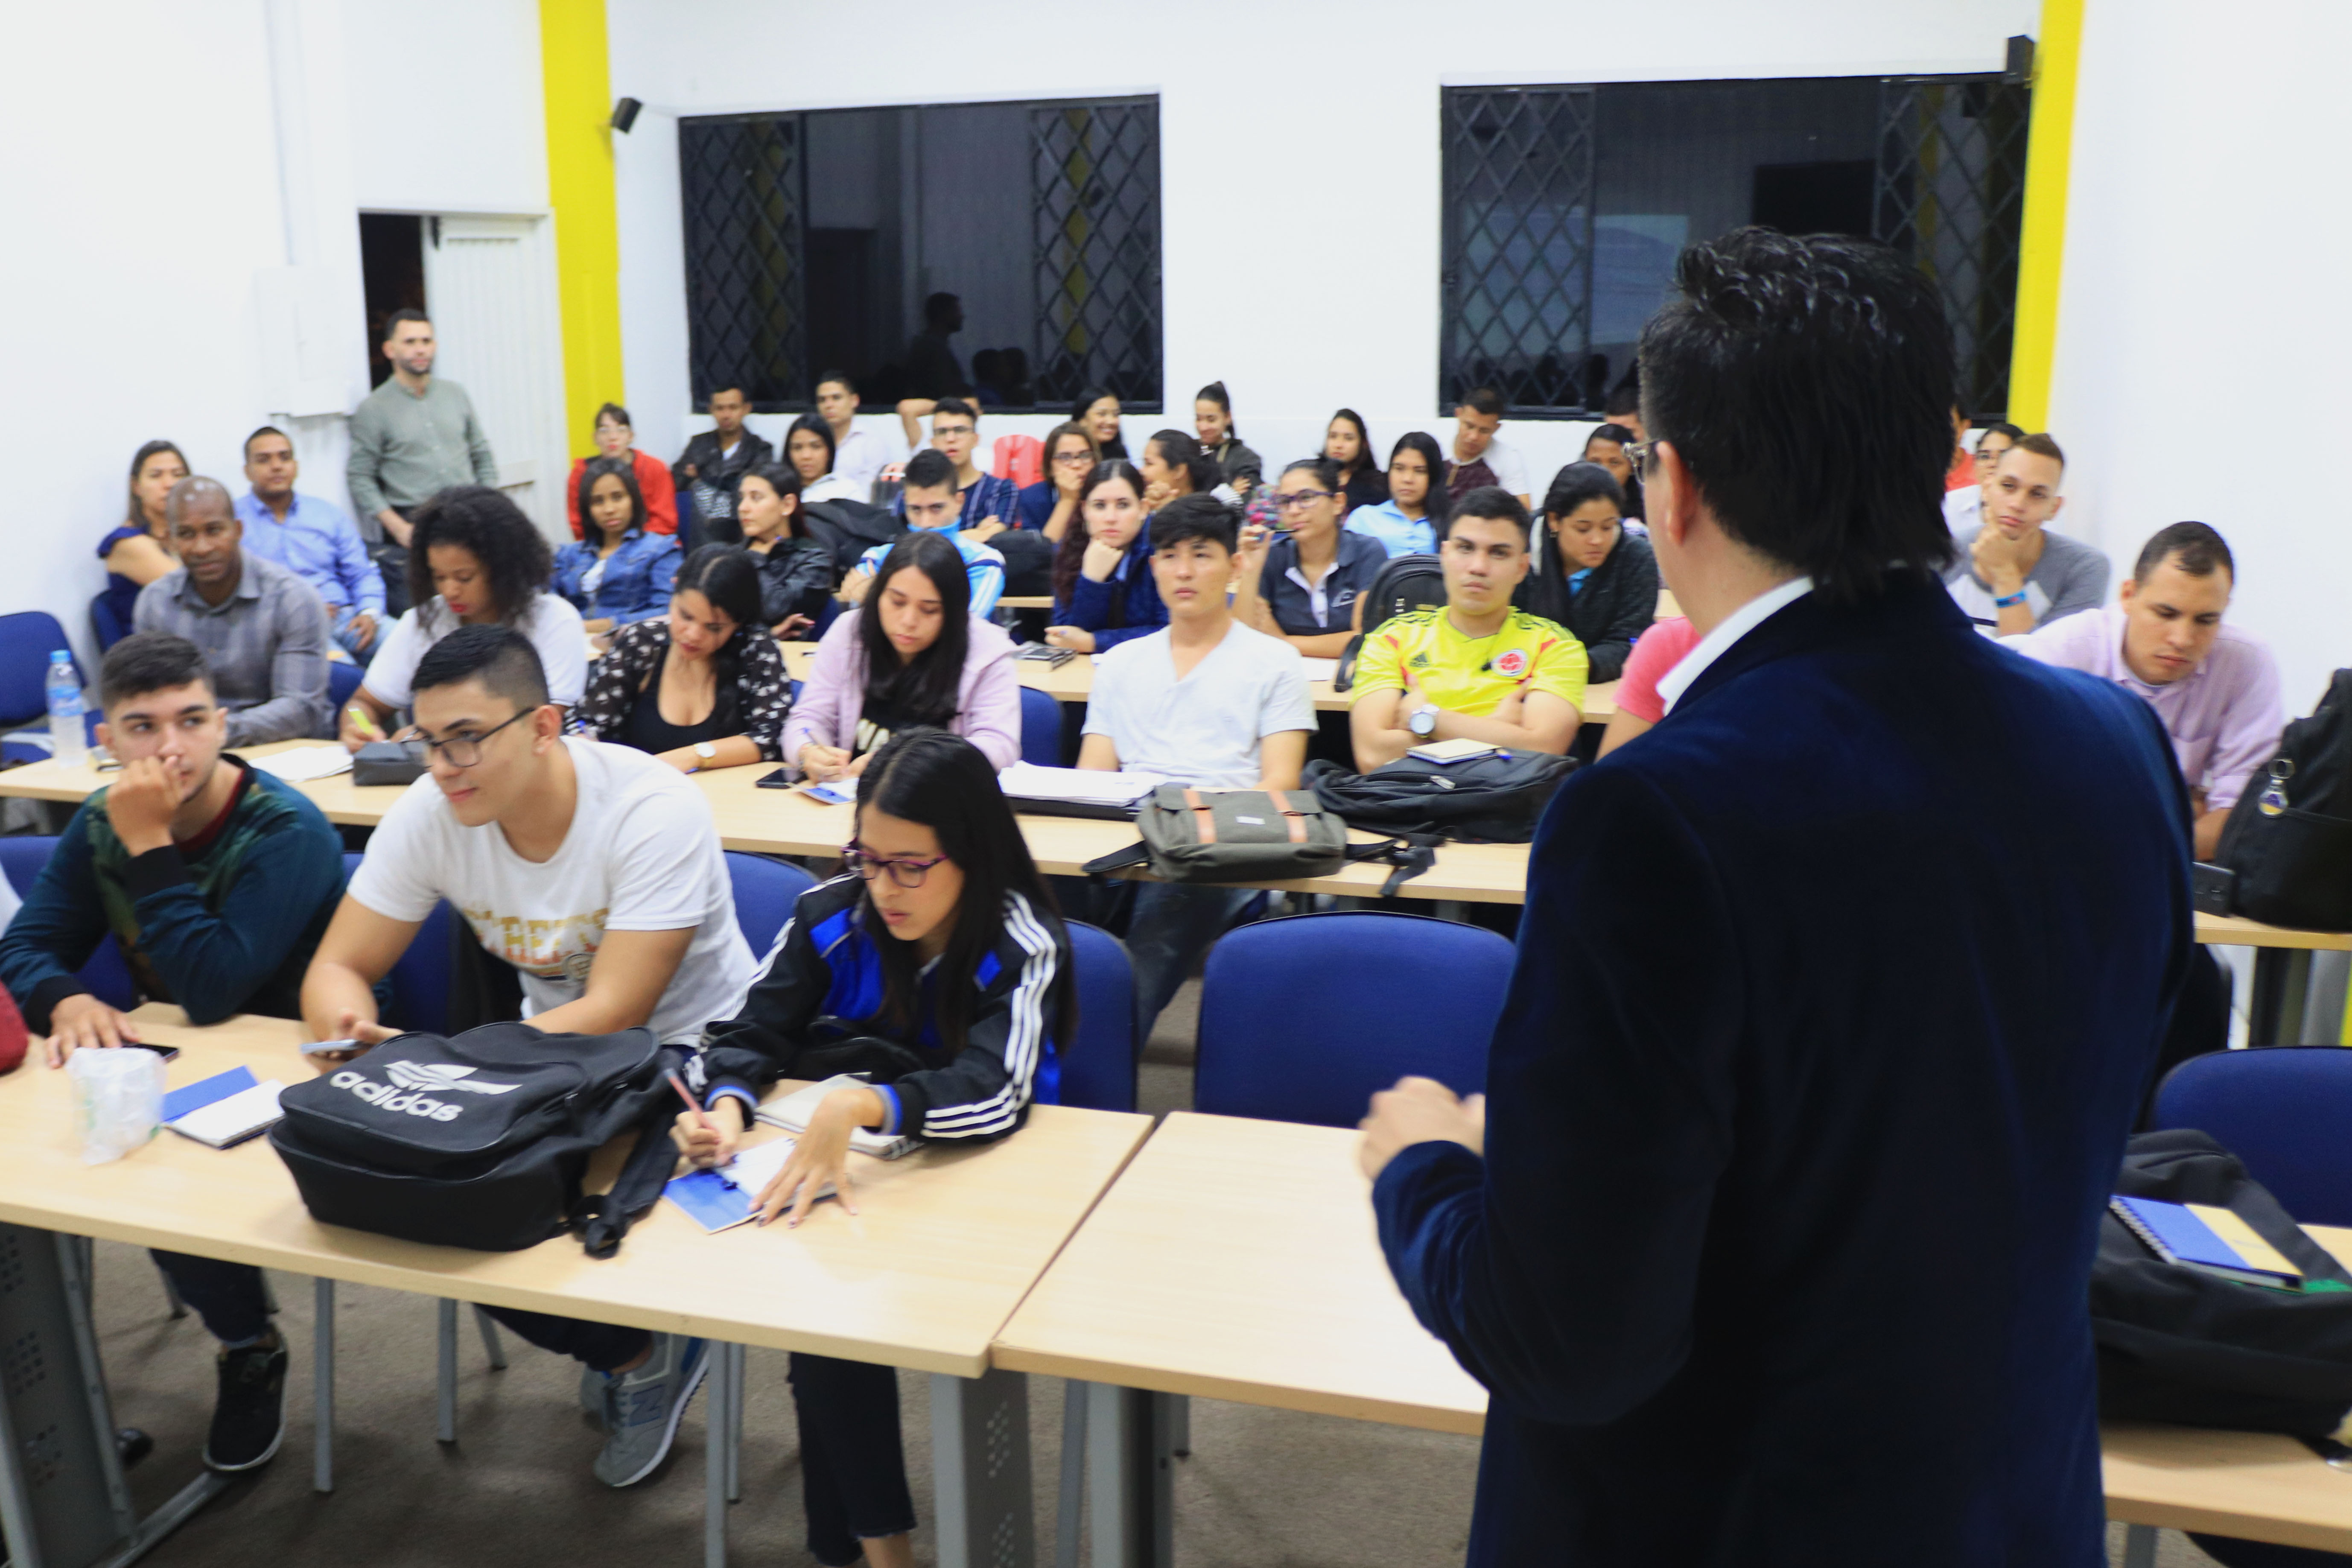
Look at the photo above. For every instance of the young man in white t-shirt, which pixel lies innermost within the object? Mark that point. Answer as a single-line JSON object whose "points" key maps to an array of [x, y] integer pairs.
{"points": [[596, 872], [1206, 701]]}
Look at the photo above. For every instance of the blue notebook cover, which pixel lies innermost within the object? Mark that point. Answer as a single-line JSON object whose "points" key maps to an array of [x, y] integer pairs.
{"points": [[713, 1201], [206, 1092], [2177, 1234]]}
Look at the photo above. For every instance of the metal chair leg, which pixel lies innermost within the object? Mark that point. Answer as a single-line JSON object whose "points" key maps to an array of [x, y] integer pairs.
{"points": [[447, 1401], [322, 1378], [2139, 1546], [491, 1347], [736, 1356], [1180, 1425]]}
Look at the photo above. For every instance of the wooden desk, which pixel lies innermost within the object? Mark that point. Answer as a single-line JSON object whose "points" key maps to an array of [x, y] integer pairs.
{"points": [[1024, 601], [1237, 1259]]}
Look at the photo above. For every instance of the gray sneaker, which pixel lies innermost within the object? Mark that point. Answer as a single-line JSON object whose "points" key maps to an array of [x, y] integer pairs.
{"points": [[642, 1408]]}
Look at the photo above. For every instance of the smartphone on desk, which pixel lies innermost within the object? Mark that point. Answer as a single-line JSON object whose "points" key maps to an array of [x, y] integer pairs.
{"points": [[333, 1050], [168, 1053]]}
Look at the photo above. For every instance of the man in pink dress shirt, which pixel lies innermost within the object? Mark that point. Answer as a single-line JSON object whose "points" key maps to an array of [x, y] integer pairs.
{"points": [[2216, 688]]}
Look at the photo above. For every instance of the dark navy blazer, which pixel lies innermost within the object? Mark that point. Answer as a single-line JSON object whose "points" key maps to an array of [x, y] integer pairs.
{"points": [[1836, 993]]}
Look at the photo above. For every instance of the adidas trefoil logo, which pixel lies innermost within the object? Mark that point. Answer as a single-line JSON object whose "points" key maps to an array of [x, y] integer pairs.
{"points": [[441, 1077]]}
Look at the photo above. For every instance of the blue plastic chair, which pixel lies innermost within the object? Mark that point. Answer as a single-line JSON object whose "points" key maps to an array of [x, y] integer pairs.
{"points": [[1098, 1063], [2282, 1110], [26, 640], [764, 891], [1041, 729], [1304, 1018], [106, 974], [420, 981], [104, 624]]}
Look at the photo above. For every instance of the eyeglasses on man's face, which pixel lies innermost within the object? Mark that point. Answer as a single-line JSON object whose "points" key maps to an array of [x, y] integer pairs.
{"points": [[462, 750]]}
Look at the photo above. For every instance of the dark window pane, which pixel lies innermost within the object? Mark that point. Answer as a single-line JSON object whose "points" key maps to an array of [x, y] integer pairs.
{"points": [[740, 188], [1518, 311], [1095, 192]]}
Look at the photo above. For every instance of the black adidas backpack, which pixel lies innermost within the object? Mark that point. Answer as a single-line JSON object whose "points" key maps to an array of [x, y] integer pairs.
{"points": [[2289, 838], [1408, 583], [481, 1140]]}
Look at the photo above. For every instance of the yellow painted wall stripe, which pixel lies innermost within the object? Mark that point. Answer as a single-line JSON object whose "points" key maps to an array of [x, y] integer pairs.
{"points": [[2048, 154], [578, 89]]}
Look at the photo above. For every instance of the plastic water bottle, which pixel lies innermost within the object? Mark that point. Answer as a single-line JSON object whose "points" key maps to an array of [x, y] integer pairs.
{"points": [[69, 742]]}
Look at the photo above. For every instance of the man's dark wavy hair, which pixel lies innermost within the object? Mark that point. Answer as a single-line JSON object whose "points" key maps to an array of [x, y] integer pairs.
{"points": [[1807, 385]]}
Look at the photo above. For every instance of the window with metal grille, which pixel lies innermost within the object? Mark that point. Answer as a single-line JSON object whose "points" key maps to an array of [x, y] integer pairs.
{"points": [[1565, 207], [1009, 251]]}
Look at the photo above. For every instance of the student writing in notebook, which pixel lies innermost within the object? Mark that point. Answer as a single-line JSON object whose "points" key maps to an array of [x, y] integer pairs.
{"points": [[937, 964], [215, 880]]}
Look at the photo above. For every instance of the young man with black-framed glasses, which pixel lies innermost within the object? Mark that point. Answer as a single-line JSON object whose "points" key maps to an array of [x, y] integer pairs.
{"points": [[595, 871]]}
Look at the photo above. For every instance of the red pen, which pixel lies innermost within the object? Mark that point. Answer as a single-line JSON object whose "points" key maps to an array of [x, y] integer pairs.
{"points": [[678, 1084]]}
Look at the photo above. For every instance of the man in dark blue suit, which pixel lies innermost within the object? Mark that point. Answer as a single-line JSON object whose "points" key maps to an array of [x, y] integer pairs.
{"points": [[1836, 993]]}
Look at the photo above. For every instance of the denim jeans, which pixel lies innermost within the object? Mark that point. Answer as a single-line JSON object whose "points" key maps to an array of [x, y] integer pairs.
{"points": [[340, 618], [228, 1297], [853, 1469]]}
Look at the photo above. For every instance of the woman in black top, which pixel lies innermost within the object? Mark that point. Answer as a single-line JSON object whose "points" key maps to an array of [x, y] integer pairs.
{"points": [[703, 687], [1320, 615], [1347, 443], [1213, 420], [1594, 578], [796, 573]]}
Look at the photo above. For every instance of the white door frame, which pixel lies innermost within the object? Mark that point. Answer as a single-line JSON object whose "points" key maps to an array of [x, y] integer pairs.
{"points": [[533, 456]]}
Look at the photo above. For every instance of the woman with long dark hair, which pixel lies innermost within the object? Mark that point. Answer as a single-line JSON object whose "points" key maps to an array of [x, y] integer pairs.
{"points": [[1212, 421], [1347, 443], [937, 965], [1051, 505], [1305, 579], [796, 573], [137, 553], [1406, 523], [620, 571], [1097, 408], [617, 437], [1103, 591], [809, 449], [1173, 465], [1592, 577], [474, 559], [912, 656], [703, 687]]}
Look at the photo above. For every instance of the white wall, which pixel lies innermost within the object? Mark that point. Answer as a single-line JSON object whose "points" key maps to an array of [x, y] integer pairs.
{"points": [[1303, 116], [2203, 329], [447, 105]]}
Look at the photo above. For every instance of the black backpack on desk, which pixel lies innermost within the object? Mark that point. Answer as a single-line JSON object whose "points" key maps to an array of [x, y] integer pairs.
{"points": [[1408, 583], [481, 1140], [2289, 838]]}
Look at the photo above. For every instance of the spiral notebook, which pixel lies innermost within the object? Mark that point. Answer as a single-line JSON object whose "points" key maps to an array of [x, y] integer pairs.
{"points": [[2209, 1237]]}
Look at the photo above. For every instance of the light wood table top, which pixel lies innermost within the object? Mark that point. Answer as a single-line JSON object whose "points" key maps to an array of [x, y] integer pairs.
{"points": [[946, 1244], [1237, 1259], [1024, 601], [2257, 1486], [1073, 680]]}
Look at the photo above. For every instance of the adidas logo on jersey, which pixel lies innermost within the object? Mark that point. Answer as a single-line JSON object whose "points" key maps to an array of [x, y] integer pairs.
{"points": [[410, 1081]]}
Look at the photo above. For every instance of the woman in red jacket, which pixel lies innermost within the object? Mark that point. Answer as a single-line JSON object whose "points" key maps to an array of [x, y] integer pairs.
{"points": [[616, 438]]}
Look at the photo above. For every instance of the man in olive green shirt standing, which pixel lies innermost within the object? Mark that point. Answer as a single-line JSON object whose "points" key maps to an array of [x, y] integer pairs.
{"points": [[413, 435]]}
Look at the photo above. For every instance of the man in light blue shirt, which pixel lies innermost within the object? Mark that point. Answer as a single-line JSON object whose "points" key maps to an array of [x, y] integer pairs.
{"points": [[928, 502], [312, 539]]}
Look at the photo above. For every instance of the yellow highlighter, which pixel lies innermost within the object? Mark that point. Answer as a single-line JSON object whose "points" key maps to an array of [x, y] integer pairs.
{"points": [[362, 723]]}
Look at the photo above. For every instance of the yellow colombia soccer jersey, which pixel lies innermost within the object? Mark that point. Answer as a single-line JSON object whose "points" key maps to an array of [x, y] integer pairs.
{"points": [[1472, 675]]}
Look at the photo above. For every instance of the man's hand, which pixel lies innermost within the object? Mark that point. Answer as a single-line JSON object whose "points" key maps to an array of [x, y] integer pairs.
{"points": [[361, 628], [86, 1024], [854, 587], [986, 528], [1999, 559], [139, 805], [396, 528], [1513, 709], [363, 1033], [1419, 1110]]}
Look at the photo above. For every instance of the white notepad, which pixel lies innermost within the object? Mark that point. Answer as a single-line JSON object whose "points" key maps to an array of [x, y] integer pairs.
{"points": [[793, 1112], [306, 764], [1084, 787], [232, 1120]]}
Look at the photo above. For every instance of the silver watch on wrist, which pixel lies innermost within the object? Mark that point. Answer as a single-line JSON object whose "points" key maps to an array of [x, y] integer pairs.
{"points": [[707, 752], [1422, 723]]}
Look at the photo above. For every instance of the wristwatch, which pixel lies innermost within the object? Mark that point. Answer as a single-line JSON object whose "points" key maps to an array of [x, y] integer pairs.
{"points": [[1423, 722], [706, 751]]}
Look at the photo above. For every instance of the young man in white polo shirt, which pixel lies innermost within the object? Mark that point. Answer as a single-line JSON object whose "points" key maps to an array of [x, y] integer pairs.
{"points": [[595, 871], [1204, 700]]}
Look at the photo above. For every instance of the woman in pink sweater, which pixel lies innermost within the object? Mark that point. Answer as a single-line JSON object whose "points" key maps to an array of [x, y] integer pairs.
{"points": [[911, 655]]}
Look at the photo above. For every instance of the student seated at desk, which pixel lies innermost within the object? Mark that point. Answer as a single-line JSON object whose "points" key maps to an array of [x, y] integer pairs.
{"points": [[796, 573], [1595, 579], [215, 880], [2012, 573], [621, 571], [942, 941], [1479, 669], [1306, 584], [1405, 523], [931, 506], [474, 559], [595, 871], [912, 656], [1640, 705], [703, 687], [1102, 589], [1203, 700]]}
